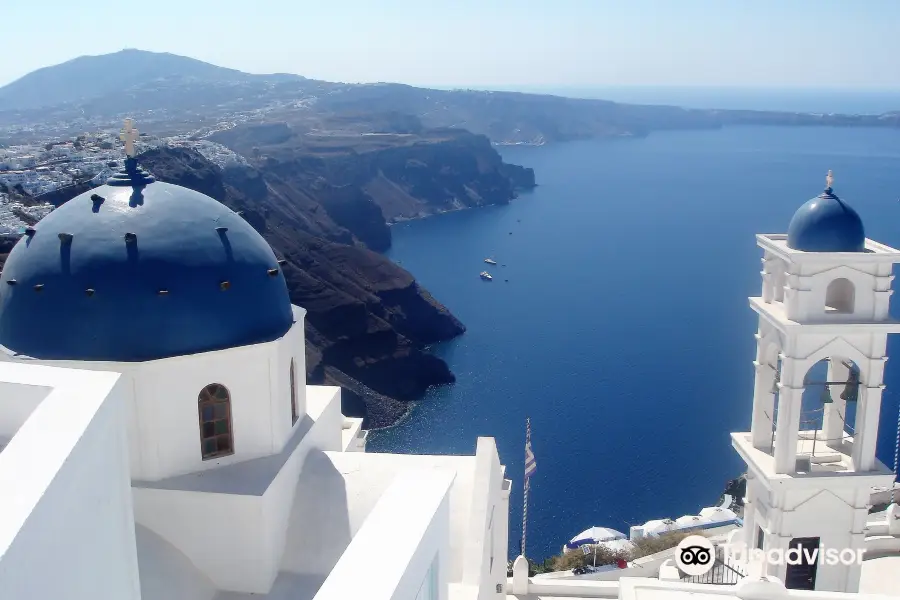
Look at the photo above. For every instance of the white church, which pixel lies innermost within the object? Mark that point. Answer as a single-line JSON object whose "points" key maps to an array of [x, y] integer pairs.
{"points": [[158, 442]]}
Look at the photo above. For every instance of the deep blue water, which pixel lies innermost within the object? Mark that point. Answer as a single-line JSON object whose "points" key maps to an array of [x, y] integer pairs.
{"points": [[623, 330]]}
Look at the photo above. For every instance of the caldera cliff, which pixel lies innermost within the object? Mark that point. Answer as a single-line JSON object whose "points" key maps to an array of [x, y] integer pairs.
{"points": [[386, 161], [368, 320]]}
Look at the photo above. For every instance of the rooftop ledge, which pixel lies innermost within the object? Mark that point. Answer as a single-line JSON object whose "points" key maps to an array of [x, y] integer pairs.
{"points": [[55, 407], [875, 252], [776, 315], [353, 436], [827, 462]]}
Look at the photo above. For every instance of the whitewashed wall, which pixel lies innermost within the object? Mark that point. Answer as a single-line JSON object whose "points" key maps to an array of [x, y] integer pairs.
{"points": [[835, 510], [67, 529], [17, 402], [800, 280], [420, 501], [167, 409], [237, 539], [163, 418], [485, 554], [825, 514], [279, 498], [222, 534]]}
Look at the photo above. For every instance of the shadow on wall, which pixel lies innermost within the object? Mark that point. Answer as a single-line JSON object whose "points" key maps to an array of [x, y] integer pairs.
{"points": [[166, 573], [318, 530]]}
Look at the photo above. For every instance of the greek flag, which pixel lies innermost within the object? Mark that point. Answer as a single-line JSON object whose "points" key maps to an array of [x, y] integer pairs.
{"points": [[530, 464]]}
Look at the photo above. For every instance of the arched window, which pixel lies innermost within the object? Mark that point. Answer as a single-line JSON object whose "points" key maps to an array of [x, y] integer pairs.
{"points": [[839, 296], [216, 438], [295, 414]]}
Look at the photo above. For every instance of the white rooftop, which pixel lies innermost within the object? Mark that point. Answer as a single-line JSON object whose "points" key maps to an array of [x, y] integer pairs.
{"points": [[777, 243]]}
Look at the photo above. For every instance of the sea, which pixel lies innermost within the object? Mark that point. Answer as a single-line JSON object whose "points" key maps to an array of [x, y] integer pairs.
{"points": [[617, 319]]}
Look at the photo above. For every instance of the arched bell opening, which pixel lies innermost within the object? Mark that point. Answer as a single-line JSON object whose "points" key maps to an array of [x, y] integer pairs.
{"points": [[840, 296], [827, 419], [831, 389]]}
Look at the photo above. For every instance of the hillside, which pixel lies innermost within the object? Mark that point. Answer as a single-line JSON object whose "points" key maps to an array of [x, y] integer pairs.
{"points": [[88, 78], [405, 175], [174, 94]]}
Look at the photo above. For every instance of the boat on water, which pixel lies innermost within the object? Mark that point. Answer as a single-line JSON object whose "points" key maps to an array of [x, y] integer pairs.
{"points": [[490, 261], [486, 276]]}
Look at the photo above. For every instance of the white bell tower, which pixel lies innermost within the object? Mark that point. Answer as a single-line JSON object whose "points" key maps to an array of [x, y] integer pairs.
{"points": [[810, 469]]}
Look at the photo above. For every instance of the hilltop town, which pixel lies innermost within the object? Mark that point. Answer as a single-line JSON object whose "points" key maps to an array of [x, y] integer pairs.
{"points": [[30, 172]]}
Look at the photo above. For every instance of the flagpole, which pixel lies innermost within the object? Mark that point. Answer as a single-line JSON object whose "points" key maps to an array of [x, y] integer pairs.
{"points": [[527, 478]]}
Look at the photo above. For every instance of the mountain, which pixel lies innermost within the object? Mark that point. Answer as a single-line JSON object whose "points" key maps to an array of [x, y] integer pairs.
{"points": [[170, 94], [92, 77]]}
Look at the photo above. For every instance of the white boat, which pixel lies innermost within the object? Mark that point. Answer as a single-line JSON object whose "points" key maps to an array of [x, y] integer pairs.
{"points": [[490, 261], [486, 276]]}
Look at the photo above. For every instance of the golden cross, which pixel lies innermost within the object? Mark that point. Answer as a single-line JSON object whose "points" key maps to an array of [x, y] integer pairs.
{"points": [[129, 135], [829, 179]]}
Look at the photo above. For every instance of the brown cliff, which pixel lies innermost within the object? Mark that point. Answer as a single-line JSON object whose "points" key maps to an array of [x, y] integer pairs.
{"points": [[367, 318], [388, 163]]}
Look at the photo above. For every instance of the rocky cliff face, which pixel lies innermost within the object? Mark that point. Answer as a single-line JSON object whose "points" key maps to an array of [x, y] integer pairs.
{"points": [[737, 489], [393, 165], [412, 181], [367, 318]]}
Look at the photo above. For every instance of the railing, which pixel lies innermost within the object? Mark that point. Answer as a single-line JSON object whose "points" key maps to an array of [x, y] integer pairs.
{"points": [[722, 573]]}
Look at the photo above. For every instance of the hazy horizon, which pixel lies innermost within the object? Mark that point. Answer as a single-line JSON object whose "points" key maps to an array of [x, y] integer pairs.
{"points": [[802, 44]]}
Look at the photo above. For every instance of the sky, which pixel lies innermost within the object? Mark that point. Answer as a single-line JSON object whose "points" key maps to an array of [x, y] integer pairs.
{"points": [[485, 43]]}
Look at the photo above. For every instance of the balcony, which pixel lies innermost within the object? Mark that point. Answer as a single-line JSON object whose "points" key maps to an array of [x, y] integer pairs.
{"points": [[816, 456]]}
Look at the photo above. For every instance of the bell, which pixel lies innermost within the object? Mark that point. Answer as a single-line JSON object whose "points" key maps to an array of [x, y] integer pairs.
{"points": [[775, 382], [851, 390], [826, 396]]}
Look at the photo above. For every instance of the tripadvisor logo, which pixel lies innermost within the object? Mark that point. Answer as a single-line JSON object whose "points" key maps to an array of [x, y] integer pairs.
{"points": [[695, 555], [796, 555]]}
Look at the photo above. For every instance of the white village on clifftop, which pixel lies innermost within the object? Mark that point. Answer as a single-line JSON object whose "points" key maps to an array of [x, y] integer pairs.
{"points": [[158, 440], [36, 170]]}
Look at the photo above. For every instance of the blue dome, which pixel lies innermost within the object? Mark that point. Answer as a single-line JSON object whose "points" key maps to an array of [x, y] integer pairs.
{"points": [[826, 224], [124, 273]]}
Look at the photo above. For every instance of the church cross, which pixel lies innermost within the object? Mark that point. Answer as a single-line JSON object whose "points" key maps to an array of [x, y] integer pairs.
{"points": [[829, 179], [129, 135]]}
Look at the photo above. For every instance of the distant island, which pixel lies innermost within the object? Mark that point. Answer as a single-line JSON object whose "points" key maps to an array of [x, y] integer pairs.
{"points": [[172, 94]]}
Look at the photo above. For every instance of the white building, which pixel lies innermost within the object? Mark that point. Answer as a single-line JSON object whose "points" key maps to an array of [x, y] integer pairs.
{"points": [[810, 473], [26, 161], [12, 178], [157, 441]]}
